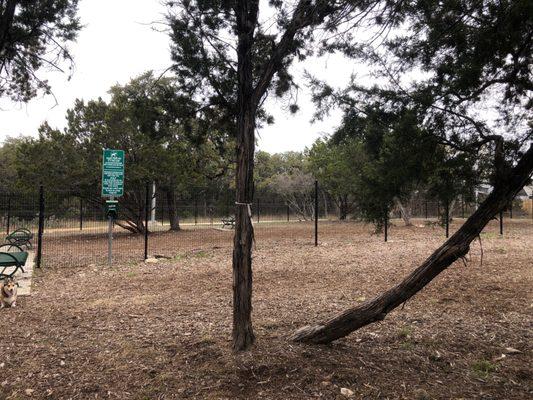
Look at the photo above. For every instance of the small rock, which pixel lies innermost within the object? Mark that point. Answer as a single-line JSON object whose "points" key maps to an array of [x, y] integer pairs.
{"points": [[2, 365], [151, 261], [62, 363], [499, 358], [325, 383], [510, 350], [29, 392], [346, 392]]}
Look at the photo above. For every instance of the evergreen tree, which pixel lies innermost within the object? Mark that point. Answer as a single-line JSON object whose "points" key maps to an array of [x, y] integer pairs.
{"points": [[34, 34]]}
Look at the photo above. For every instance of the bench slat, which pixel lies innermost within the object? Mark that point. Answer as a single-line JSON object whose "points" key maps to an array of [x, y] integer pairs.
{"points": [[7, 261]]}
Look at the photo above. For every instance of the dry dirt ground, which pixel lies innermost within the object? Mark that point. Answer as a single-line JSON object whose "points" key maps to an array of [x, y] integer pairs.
{"points": [[162, 331]]}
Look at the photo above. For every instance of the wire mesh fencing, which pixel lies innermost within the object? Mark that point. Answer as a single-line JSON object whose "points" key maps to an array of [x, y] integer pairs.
{"points": [[70, 229]]}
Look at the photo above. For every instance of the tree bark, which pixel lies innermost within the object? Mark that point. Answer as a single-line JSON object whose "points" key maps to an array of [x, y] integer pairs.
{"points": [[133, 225], [454, 248], [243, 336], [343, 207], [451, 207], [173, 215], [131, 211], [405, 213], [248, 101]]}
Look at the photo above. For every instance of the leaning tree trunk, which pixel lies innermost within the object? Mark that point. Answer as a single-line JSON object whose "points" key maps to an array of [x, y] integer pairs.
{"points": [[173, 215], [450, 209], [243, 335], [405, 213], [131, 212], [454, 248]]}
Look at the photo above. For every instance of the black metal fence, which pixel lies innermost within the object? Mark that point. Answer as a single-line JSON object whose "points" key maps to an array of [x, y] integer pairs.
{"points": [[72, 230]]}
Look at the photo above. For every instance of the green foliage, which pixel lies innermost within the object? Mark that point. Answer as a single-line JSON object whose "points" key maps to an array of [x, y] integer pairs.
{"points": [[286, 175], [34, 34], [152, 122], [470, 46], [454, 174], [8, 157], [395, 157], [339, 169], [483, 368], [462, 70]]}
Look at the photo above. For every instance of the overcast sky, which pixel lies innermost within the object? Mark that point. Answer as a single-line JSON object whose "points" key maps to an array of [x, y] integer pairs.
{"points": [[118, 43]]}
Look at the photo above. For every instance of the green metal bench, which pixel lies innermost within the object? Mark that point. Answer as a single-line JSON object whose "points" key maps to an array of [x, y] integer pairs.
{"points": [[21, 237], [15, 257]]}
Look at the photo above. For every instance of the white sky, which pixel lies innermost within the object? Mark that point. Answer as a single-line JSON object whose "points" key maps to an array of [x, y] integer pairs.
{"points": [[117, 44]]}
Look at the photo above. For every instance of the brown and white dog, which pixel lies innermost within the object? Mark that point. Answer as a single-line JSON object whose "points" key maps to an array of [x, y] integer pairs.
{"points": [[8, 293]]}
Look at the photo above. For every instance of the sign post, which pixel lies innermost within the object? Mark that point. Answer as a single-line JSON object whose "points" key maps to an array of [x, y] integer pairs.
{"points": [[112, 186]]}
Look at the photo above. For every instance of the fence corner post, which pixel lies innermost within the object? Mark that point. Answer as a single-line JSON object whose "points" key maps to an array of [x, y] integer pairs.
{"points": [[41, 227], [447, 216], [81, 214], [8, 214], [146, 216], [386, 223], [316, 212]]}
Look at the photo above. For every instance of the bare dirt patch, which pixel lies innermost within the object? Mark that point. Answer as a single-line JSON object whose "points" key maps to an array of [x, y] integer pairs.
{"points": [[150, 331]]}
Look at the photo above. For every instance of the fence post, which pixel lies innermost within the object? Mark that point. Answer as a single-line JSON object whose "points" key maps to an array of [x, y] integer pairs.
{"points": [[195, 210], [146, 214], [162, 214], [501, 222], [8, 213], [426, 208], [288, 213], [41, 227], [316, 213], [386, 224], [447, 216], [81, 214], [258, 213], [511, 209]]}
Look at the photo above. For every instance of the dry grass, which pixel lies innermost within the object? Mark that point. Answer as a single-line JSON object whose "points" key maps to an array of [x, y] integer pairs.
{"points": [[138, 331]]}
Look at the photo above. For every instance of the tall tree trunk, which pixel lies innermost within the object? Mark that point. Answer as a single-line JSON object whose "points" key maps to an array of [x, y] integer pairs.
{"points": [[173, 215], [451, 208], [243, 335], [454, 248], [343, 207], [405, 213]]}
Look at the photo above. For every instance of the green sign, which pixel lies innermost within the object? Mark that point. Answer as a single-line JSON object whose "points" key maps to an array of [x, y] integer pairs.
{"points": [[113, 173], [111, 209]]}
